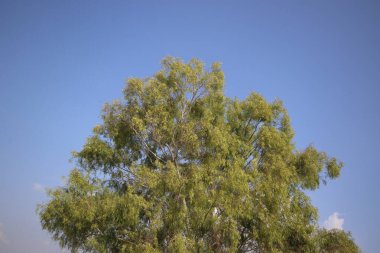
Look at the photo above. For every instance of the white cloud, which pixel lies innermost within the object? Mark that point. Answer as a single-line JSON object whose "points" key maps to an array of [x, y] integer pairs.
{"points": [[3, 237], [335, 221], [38, 187]]}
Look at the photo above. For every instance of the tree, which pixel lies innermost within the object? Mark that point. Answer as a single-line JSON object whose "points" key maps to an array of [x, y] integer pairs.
{"points": [[179, 167], [335, 241]]}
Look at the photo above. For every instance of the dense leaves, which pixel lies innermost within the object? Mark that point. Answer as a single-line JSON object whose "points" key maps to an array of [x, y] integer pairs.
{"points": [[335, 241], [178, 167]]}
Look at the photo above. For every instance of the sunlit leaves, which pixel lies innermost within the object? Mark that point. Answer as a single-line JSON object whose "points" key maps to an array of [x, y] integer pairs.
{"points": [[178, 167]]}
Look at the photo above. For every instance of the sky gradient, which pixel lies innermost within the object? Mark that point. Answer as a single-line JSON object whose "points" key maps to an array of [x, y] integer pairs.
{"points": [[60, 61]]}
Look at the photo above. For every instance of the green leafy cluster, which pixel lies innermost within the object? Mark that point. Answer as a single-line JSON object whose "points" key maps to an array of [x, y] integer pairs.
{"points": [[179, 167], [335, 241]]}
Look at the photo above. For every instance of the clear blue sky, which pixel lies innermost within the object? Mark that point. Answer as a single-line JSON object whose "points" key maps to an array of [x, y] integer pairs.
{"points": [[60, 61]]}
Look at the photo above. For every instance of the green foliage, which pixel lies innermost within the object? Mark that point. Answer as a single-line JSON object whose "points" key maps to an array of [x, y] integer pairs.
{"points": [[335, 241], [178, 167]]}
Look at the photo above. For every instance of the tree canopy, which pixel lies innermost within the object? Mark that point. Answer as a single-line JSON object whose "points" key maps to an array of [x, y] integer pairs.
{"points": [[335, 241], [177, 166]]}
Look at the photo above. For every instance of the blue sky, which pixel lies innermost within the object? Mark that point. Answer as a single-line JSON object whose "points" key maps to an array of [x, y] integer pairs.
{"points": [[60, 61]]}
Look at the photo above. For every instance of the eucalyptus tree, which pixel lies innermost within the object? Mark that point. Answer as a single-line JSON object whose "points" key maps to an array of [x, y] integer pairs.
{"points": [[335, 241], [177, 166]]}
